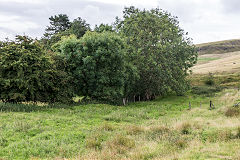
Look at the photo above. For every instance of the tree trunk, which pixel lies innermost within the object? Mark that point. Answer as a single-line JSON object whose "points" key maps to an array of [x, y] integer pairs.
{"points": [[124, 101]]}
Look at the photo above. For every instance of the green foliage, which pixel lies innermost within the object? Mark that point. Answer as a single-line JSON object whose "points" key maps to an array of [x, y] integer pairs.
{"points": [[58, 23], [103, 27], [27, 74], [97, 64], [61, 26], [79, 27], [206, 90], [159, 49], [210, 80]]}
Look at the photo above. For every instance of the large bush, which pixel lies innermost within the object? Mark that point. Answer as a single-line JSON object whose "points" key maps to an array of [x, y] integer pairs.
{"points": [[97, 63], [27, 74]]}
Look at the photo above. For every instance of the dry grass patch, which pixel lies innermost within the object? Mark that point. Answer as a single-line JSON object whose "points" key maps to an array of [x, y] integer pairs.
{"points": [[145, 151], [229, 96], [134, 130], [106, 127], [94, 141], [159, 129], [185, 128], [227, 64], [158, 132], [181, 143], [232, 112], [121, 144]]}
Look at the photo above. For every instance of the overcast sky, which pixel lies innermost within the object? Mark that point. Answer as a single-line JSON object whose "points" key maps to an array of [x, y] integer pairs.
{"points": [[204, 20]]}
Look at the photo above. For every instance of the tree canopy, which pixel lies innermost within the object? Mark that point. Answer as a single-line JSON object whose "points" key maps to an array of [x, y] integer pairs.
{"points": [[28, 74], [97, 63], [159, 49], [60, 26]]}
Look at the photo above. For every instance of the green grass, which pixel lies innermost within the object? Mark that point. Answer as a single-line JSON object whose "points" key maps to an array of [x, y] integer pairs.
{"points": [[160, 129], [207, 59]]}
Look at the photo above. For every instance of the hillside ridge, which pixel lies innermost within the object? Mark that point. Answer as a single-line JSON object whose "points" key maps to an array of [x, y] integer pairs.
{"points": [[219, 47]]}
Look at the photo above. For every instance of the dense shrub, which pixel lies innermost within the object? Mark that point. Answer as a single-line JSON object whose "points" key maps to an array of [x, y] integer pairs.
{"points": [[97, 63], [210, 80], [27, 74], [206, 90]]}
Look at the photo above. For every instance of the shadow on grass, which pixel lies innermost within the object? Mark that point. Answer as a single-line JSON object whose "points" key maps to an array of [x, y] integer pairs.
{"points": [[19, 107]]}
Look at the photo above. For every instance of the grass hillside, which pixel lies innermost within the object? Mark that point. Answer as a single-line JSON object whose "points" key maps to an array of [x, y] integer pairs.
{"points": [[225, 63], [219, 47], [219, 58]]}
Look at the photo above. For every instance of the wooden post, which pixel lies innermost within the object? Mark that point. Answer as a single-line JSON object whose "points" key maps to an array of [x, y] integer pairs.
{"points": [[211, 105], [200, 104], [189, 105]]}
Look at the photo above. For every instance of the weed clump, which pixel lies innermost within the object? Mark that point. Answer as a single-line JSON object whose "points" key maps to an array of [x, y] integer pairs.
{"points": [[186, 128], [238, 133], [214, 136], [134, 130], [160, 129], [95, 142], [121, 144], [181, 143], [159, 132], [225, 135], [107, 127], [210, 80], [232, 112]]}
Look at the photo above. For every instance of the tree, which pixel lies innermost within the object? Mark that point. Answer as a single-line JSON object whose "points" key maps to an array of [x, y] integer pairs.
{"points": [[97, 64], [61, 26], [79, 27], [58, 23], [103, 27], [159, 49], [28, 74]]}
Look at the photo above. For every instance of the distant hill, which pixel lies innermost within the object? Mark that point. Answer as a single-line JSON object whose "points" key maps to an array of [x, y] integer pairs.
{"points": [[219, 47]]}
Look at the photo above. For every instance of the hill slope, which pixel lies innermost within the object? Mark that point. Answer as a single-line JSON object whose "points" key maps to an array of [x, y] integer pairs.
{"points": [[219, 57], [219, 47], [218, 63]]}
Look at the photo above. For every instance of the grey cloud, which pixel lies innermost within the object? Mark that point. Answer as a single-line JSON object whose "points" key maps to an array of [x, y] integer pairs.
{"points": [[185, 10], [231, 6], [204, 20], [38, 13]]}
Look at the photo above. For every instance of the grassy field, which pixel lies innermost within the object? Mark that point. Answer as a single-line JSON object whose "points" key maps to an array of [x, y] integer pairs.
{"points": [[160, 129], [218, 63]]}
